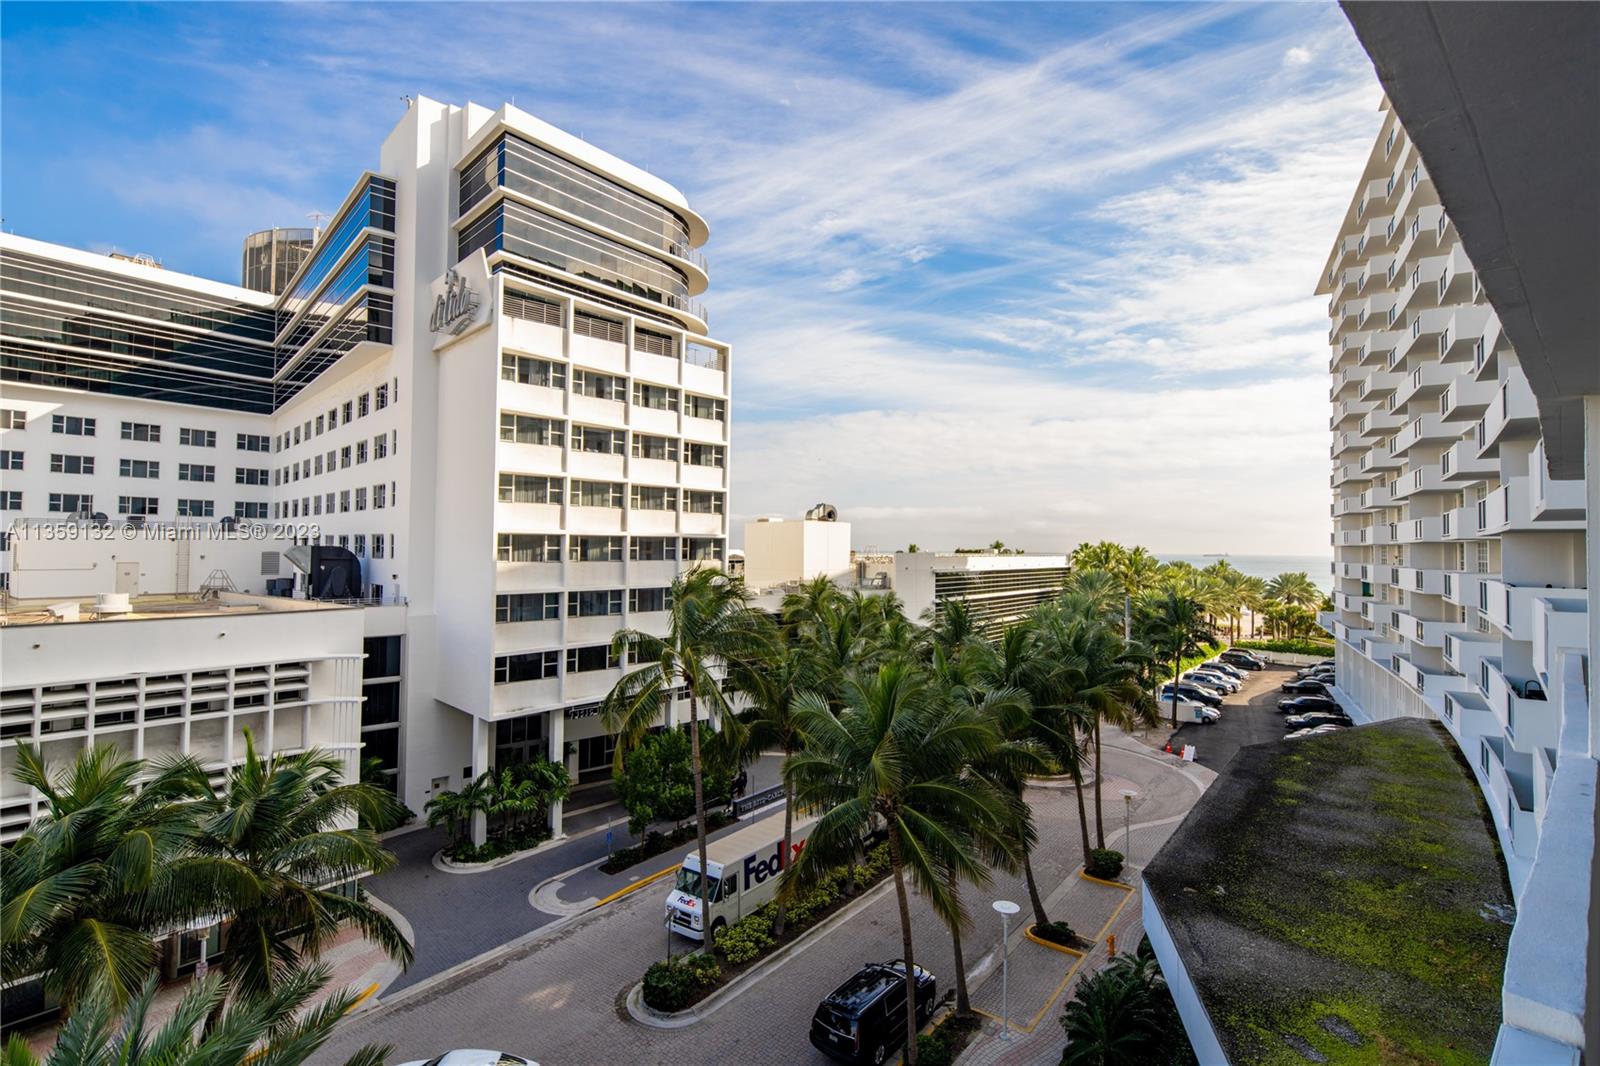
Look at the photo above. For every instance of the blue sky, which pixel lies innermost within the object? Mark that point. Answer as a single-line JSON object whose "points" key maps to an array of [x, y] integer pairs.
{"points": [[1027, 271]]}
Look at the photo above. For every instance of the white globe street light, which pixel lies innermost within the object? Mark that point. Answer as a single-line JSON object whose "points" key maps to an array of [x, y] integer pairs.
{"points": [[1005, 908]]}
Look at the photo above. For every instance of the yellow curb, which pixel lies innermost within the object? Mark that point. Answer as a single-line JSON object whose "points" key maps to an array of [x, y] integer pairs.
{"points": [[1051, 944], [619, 893], [362, 998], [1114, 916], [1103, 881]]}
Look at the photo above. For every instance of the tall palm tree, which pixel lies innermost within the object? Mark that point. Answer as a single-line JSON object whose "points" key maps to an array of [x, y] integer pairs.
{"points": [[773, 681], [1296, 589], [1098, 592], [272, 1030], [282, 820], [1106, 555], [1110, 693], [106, 870], [1173, 627], [1254, 597], [895, 756], [709, 625]]}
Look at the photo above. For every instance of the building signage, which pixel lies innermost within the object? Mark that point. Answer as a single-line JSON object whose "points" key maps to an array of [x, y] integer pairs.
{"points": [[456, 308], [462, 301]]}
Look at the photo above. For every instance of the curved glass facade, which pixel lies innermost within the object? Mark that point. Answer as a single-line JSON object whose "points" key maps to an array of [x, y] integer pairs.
{"points": [[524, 232], [525, 168]]}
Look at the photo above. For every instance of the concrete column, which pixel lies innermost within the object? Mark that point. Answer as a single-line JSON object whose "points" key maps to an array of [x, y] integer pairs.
{"points": [[1591, 472], [558, 753], [481, 732]]}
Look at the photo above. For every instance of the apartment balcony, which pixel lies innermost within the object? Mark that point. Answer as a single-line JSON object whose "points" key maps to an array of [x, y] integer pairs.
{"points": [[1348, 380], [1460, 523], [1553, 501], [1459, 341], [1345, 473], [1377, 383], [1519, 704], [1351, 603], [1486, 349], [1417, 530], [1558, 625], [1374, 312], [1423, 329], [1466, 714], [1428, 632], [1464, 648], [1510, 607], [1431, 684], [1510, 794], [1344, 443], [1460, 587], [1421, 289], [1346, 411], [588, 685], [1425, 428], [1380, 348], [1379, 457], [1422, 581], [1424, 479], [1460, 463], [1382, 533], [1421, 235], [1458, 282], [1464, 399], [1512, 414], [1376, 424], [1345, 505], [1429, 379], [519, 697]]}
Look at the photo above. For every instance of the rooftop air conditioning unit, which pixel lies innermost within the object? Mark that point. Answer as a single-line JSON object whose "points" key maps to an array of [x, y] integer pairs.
{"points": [[65, 612], [112, 603]]}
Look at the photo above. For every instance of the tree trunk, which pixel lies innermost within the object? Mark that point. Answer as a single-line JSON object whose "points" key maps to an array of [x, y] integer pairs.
{"points": [[905, 946], [1099, 816], [963, 1000], [1039, 916], [783, 860], [700, 818], [1177, 661], [1083, 814]]}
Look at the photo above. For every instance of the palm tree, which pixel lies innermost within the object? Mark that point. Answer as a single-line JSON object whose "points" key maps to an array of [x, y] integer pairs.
{"points": [[1111, 1021], [773, 682], [895, 756], [281, 820], [1098, 592], [1296, 589], [1254, 597], [458, 809], [1106, 555], [709, 625], [272, 1030], [1173, 627], [91, 884]]}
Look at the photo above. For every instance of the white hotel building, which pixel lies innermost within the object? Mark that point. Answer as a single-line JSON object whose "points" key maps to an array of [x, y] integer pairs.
{"points": [[490, 383], [1459, 563]]}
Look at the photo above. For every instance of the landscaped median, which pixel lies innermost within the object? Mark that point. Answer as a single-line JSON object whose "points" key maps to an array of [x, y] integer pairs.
{"points": [[672, 990]]}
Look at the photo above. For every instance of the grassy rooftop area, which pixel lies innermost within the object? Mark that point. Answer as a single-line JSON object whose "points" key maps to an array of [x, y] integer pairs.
{"points": [[1343, 899]]}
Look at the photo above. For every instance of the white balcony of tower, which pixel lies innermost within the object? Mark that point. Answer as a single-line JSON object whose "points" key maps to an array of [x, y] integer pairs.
{"points": [[1512, 414], [1553, 501]]}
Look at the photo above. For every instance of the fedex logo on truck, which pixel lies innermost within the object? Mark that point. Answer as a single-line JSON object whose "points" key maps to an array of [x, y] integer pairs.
{"points": [[757, 870]]}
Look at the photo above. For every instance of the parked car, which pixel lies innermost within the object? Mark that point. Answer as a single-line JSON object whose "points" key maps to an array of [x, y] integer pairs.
{"points": [[864, 1019], [1304, 685], [1207, 715], [1220, 667], [1305, 721], [1198, 693], [473, 1057], [1226, 685], [1242, 659], [1308, 704], [1318, 672]]}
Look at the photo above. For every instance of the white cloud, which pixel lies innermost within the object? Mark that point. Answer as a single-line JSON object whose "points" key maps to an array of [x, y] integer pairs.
{"points": [[844, 280], [1297, 57]]}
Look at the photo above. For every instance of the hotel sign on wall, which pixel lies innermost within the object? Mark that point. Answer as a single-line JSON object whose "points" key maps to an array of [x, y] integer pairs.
{"points": [[462, 301]]}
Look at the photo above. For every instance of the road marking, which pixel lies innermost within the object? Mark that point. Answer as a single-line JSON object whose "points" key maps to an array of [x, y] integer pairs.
{"points": [[619, 893]]}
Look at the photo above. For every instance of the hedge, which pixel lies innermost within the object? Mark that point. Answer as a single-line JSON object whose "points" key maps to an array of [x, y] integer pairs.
{"points": [[1288, 647]]}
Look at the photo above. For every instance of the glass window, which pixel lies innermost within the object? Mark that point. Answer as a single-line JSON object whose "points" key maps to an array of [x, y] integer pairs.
{"points": [[527, 607], [528, 548], [526, 370]]}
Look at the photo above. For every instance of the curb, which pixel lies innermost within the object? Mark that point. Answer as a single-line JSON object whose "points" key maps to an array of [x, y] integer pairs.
{"points": [[747, 980], [648, 880], [1103, 881], [1051, 944], [448, 866]]}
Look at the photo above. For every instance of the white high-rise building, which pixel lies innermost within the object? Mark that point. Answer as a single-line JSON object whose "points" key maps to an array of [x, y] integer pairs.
{"points": [[490, 383], [1459, 563]]}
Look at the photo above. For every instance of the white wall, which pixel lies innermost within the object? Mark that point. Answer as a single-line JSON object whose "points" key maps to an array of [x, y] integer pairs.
{"points": [[778, 551]]}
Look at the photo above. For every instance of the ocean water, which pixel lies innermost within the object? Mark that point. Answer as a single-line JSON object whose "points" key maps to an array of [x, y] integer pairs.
{"points": [[1267, 567]]}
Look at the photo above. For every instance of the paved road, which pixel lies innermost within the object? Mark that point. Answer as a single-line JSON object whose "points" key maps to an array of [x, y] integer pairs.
{"points": [[559, 999], [457, 917], [1248, 717]]}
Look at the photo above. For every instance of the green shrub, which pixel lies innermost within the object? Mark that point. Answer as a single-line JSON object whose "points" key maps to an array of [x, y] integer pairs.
{"points": [[747, 939], [1056, 932], [681, 982], [933, 1049], [1289, 647], [1104, 864]]}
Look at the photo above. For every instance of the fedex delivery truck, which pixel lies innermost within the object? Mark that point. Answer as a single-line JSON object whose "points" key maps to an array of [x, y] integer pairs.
{"points": [[744, 874]]}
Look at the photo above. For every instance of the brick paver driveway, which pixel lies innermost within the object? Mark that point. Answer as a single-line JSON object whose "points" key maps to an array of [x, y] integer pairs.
{"points": [[559, 999]]}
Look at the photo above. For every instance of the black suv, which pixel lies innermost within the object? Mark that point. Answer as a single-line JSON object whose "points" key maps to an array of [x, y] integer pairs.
{"points": [[864, 1019], [1242, 659]]}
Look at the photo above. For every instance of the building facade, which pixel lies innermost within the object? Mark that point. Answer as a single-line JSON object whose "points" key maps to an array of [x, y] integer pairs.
{"points": [[998, 588], [1459, 562], [490, 382]]}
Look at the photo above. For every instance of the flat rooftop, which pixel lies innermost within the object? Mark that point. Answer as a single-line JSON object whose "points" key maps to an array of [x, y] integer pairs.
{"points": [[56, 611], [1342, 899]]}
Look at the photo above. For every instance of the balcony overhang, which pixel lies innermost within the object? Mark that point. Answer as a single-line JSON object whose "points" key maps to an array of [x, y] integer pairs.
{"points": [[1502, 101]]}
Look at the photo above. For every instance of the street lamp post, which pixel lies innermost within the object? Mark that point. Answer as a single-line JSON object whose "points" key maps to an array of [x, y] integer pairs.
{"points": [[1128, 796], [1005, 908]]}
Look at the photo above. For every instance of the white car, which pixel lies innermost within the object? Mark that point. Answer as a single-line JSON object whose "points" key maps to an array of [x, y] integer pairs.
{"points": [[473, 1057], [1314, 731]]}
